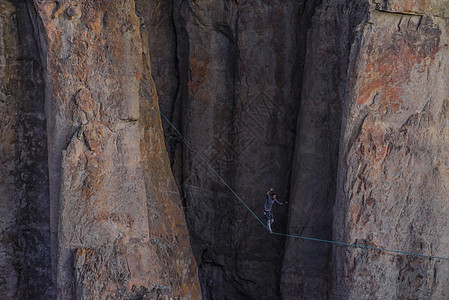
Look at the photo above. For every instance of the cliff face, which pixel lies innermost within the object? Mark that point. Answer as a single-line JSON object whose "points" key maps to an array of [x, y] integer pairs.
{"points": [[25, 270], [317, 146], [238, 69], [393, 160], [111, 202], [339, 105], [336, 56]]}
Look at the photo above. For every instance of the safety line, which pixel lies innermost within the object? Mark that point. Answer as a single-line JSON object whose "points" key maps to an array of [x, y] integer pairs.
{"points": [[360, 246], [221, 178]]}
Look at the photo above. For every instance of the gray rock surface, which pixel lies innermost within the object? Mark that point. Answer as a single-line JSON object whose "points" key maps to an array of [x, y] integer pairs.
{"points": [[25, 271], [339, 105], [306, 265], [240, 87], [159, 36]]}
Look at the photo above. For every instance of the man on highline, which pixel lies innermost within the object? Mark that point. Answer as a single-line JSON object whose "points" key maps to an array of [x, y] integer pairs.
{"points": [[271, 198]]}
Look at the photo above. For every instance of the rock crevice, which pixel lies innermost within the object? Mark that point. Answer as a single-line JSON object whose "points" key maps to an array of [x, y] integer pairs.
{"points": [[341, 106]]}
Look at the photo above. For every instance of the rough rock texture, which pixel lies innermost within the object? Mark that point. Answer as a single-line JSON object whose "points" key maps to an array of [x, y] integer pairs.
{"points": [[239, 85], [117, 227], [436, 8], [393, 174], [117, 196], [306, 266], [25, 271], [341, 105], [229, 55], [158, 29]]}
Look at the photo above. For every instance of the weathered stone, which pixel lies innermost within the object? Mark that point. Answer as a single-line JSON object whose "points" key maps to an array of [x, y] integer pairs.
{"points": [[393, 160], [159, 36], [111, 186], [435, 8], [305, 271], [24, 202], [364, 161], [240, 88]]}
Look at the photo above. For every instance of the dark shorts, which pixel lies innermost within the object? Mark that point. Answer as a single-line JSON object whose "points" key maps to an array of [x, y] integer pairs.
{"points": [[268, 215]]}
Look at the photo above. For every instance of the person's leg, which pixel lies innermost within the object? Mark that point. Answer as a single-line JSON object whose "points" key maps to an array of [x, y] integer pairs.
{"points": [[269, 226], [270, 221]]}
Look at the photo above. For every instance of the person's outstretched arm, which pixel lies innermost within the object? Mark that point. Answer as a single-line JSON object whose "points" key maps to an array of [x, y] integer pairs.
{"points": [[281, 203]]}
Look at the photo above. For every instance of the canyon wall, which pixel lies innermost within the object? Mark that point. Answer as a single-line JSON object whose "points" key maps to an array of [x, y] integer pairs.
{"points": [[239, 68], [340, 105], [306, 264], [25, 267], [104, 190], [392, 178]]}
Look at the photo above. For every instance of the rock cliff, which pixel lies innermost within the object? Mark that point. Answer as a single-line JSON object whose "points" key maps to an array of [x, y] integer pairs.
{"points": [[25, 268], [239, 68], [106, 194], [341, 105], [392, 178]]}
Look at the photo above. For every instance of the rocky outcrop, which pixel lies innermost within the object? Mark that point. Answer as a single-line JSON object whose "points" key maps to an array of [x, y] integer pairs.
{"points": [[393, 160], [111, 202], [339, 105], [135, 220]]}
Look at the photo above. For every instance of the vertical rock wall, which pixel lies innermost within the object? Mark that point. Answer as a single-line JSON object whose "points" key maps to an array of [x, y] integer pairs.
{"points": [[116, 207], [239, 89], [393, 162], [364, 160], [25, 271], [306, 266], [158, 26], [104, 189]]}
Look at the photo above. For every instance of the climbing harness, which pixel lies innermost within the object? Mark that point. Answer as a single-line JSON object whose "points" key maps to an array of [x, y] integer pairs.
{"points": [[200, 156], [268, 214]]}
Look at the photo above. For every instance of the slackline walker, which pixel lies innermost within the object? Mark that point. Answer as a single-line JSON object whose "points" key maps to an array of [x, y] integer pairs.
{"points": [[271, 199], [221, 179]]}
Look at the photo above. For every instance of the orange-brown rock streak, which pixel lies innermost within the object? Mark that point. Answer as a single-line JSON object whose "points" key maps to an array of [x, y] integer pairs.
{"points": [[389, 65], [112, 191], [392, 178]]}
